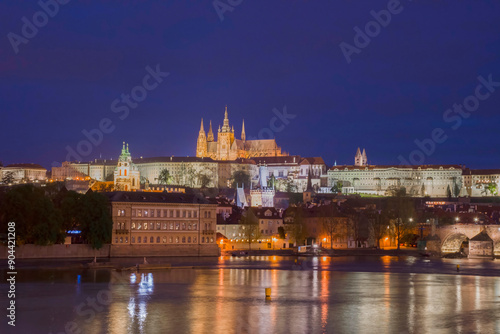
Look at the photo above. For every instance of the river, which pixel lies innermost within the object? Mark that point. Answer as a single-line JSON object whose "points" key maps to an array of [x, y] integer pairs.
{"points": [[227, 295]]}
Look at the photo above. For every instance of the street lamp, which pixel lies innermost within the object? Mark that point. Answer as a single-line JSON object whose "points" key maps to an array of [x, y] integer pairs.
{"points": [[274, 239], [456, 219]]}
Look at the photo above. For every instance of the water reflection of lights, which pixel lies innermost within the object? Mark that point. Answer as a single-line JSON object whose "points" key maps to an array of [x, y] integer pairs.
{"points": [[315, 262], [143, 313], [131, 308], [146, 284], [137, 306], [78, 284]]}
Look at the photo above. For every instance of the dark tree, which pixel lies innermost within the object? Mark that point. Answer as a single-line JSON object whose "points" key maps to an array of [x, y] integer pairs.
{"points": [[8, 177], [337, 187], [71, 210], [37, 220], [204, 180], [378, 224], [297, 228], [240, 177], [164, 177], [281, 232], [95, 220], [249, 228], [400, 210]]}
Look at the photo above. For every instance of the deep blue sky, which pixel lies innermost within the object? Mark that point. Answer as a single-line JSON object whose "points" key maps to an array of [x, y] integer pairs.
{"points": [[263, 55]]}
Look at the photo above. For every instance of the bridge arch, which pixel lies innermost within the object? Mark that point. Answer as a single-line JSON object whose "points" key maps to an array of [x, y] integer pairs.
{"points": [[453, 242]]}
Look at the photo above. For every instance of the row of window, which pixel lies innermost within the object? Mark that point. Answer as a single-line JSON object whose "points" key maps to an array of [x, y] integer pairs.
{"points": [[165, 226], [269, 223], [171, 240], [164, 213], [266, 231], [151, 213]]}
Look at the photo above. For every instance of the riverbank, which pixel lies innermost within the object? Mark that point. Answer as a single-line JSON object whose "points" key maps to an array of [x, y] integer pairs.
{"points": [[83, 251], [329, 252]]}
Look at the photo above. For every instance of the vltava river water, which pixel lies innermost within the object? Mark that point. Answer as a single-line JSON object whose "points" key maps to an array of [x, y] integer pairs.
{"points": [[228, 297]]}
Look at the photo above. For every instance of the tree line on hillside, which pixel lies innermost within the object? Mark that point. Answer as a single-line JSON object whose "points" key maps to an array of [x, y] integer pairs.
{"points": [[44, 215]]}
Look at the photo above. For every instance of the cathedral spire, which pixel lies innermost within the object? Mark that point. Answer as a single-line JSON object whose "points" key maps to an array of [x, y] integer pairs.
{"points": [[243, 135], [225, 126], [201, 126], [210, 136]]}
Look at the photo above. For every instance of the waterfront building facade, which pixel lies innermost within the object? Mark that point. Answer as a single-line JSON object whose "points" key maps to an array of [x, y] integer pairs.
{"points": [[270, 220], [150, 218]]}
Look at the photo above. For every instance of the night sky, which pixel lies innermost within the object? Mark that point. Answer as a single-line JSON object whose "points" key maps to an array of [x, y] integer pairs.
{"points": [[263, 55]]}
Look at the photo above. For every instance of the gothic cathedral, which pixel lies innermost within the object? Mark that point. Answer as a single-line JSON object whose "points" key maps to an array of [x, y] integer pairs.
{"points": [[227, 147]]}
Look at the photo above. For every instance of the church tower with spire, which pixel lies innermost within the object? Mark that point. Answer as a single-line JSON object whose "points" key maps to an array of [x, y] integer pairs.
{"points": [[360, 159], [201, 147], [243, 135], [225, 139], [126, 175]]}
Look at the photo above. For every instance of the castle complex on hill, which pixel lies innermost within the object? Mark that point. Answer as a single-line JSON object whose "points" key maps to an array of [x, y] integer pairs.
{"points": [[227, 147], [218, 160]]}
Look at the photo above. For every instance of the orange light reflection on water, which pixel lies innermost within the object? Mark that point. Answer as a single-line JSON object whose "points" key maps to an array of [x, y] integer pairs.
{"points": [[325, 292]]}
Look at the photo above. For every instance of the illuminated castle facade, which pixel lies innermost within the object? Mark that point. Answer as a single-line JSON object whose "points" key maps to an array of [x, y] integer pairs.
{"points": [[227, 147]]}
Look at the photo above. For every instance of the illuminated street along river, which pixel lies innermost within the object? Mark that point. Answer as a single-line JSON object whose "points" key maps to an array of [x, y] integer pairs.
{"points": [[227, 295]]}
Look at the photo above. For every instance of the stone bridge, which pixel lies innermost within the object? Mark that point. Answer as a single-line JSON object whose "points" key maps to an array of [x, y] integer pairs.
{"points": [[448, 239]]}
